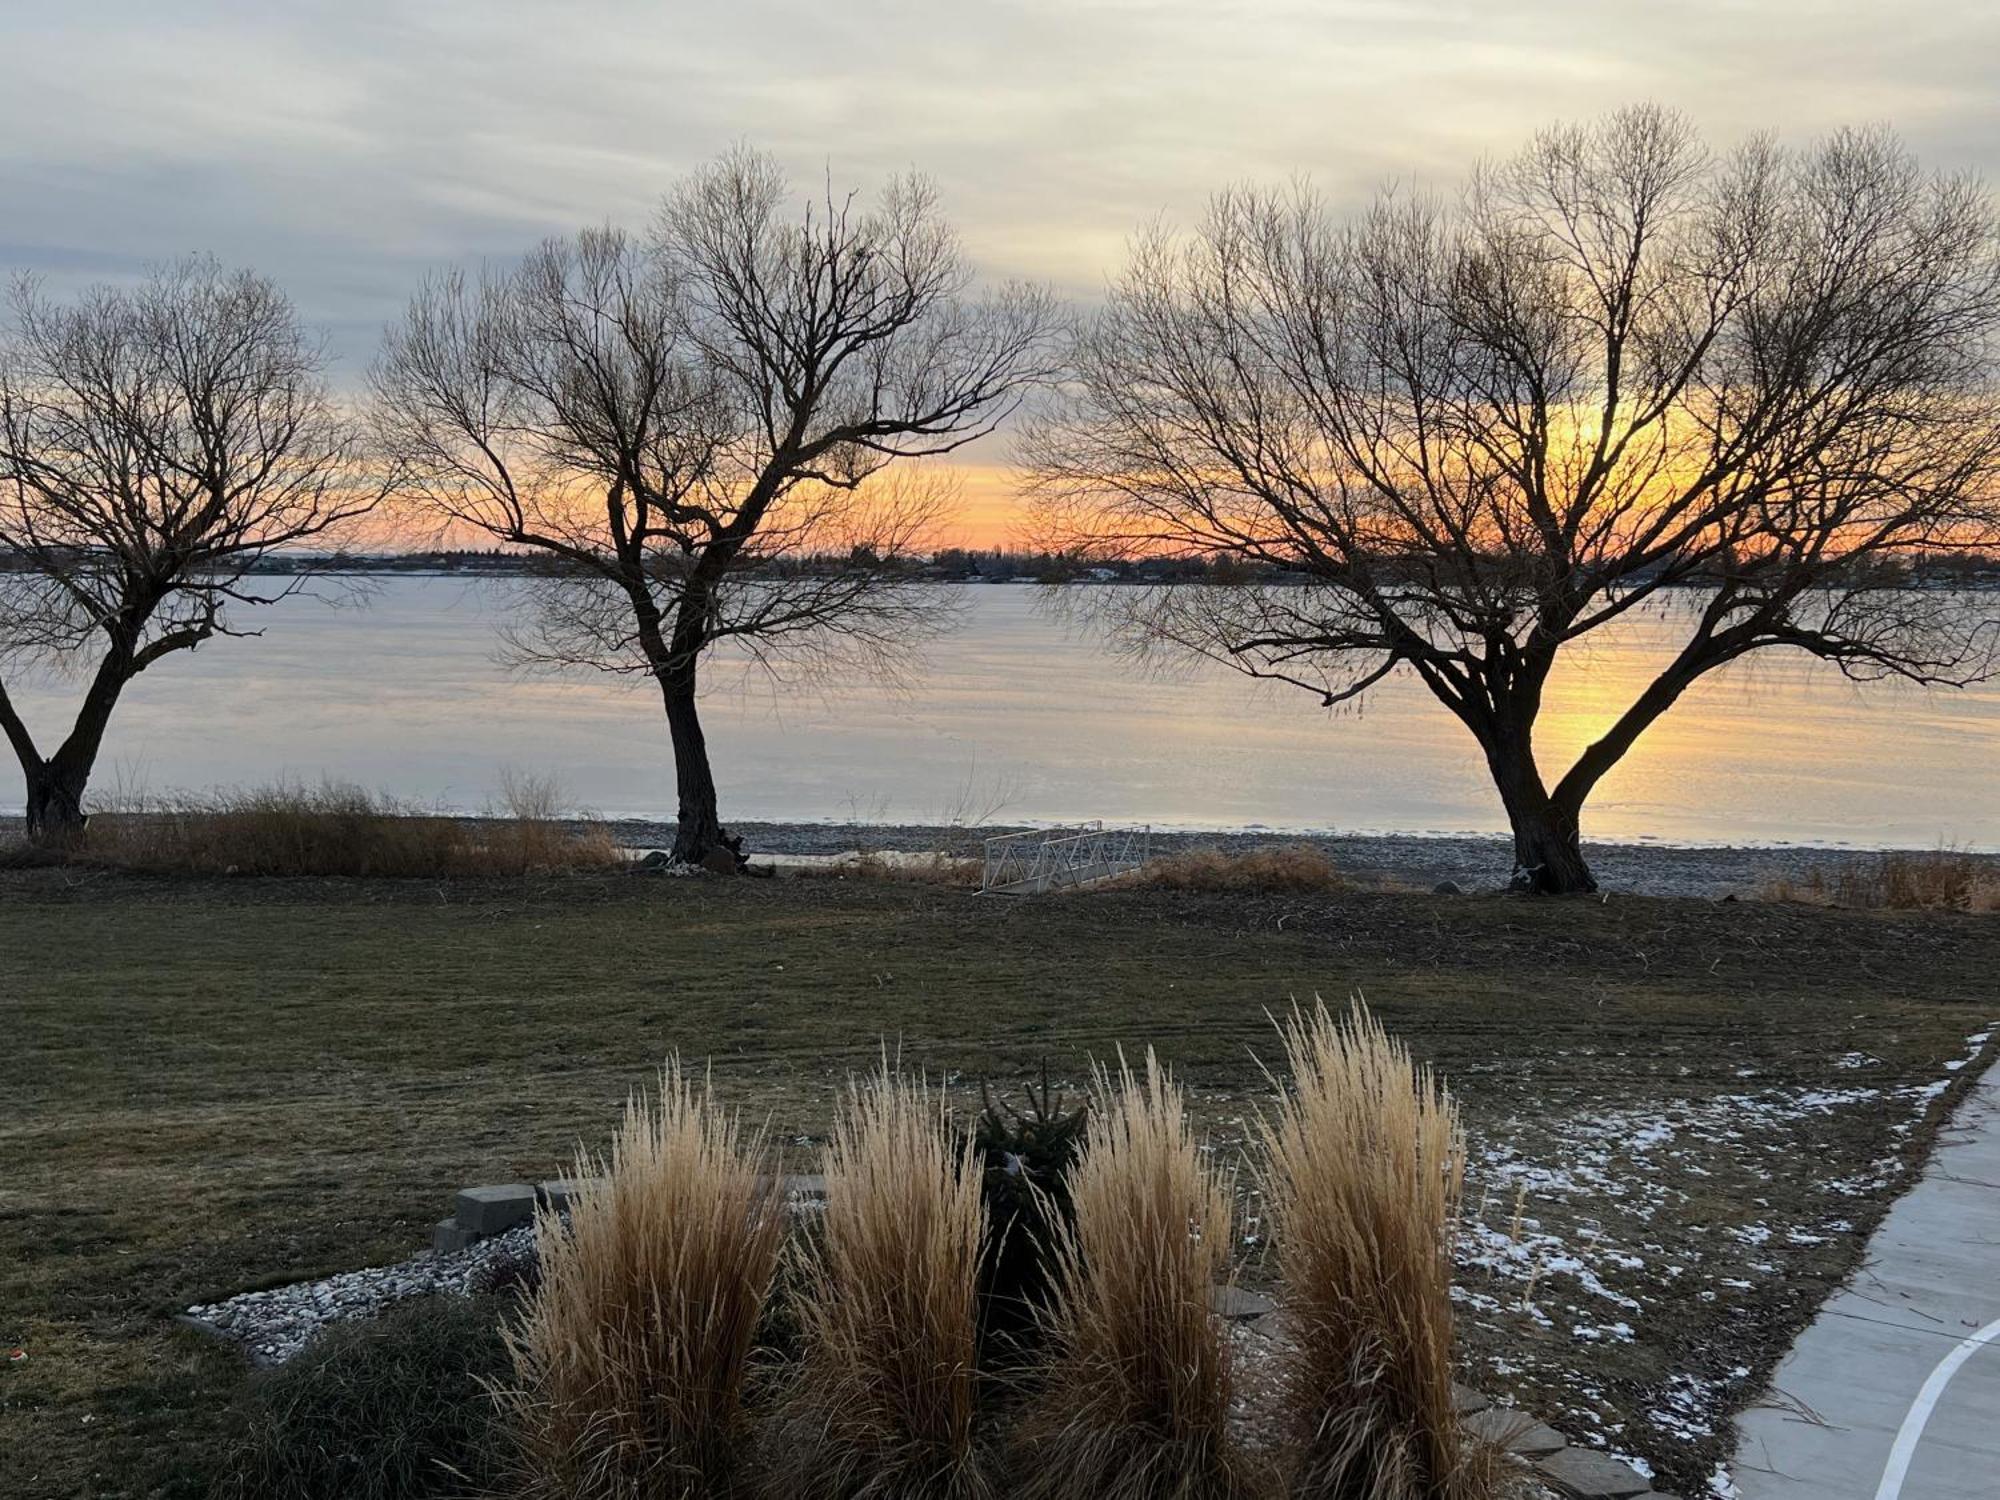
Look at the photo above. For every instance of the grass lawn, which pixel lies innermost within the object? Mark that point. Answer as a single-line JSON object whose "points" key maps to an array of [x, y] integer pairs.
{"points": [[1684, 1116]]}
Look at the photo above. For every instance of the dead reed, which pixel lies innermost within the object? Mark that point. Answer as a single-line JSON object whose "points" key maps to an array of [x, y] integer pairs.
{"points": [[1897, 880], [1281, 867], [883, 1403], [1136, 1391], [335, 829], [632, 1355], [932, 868], [1363, 1161]]}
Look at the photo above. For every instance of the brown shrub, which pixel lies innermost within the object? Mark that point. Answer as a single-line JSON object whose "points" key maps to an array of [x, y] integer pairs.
{"points": [[334, 829], [1942, 880], [1137, 1385], [934, 868], [1281, 867], [632, 1353], [1363, 1164], [883, 1402]]}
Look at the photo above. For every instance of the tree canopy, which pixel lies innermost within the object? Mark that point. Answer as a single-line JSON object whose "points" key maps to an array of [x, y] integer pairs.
{"points": [[1619, 368]]}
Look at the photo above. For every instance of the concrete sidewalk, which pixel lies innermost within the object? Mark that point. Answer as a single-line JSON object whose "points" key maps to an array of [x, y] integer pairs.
{"points": [[1893, 1393]]}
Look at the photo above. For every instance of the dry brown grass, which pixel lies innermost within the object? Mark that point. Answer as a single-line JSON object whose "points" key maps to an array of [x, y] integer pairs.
{"points": [[884, 1401], [631, 1357], [334, 829], [1363, 1163], [1137, 1387], [934, 868], [1281, 867], [1942, 880]]}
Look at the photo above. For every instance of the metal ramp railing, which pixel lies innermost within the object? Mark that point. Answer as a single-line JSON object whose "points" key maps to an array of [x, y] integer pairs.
{"points": [[1049, 859]]}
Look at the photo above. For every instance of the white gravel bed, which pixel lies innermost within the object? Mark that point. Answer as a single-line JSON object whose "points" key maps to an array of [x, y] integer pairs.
{"points": [[275, 1324]]}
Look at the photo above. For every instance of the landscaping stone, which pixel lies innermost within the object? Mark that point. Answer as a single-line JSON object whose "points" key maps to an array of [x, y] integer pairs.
{"points": [[1515, 1431], [1447, 888], [556, 1192], [1465, 1400], [1235, 1303], [496, 1208], [499, 1207], [807, 1187], [1585, 1474]]}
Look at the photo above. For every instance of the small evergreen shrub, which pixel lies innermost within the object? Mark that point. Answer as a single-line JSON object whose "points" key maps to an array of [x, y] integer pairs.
{"points": [[1025, 1154]]}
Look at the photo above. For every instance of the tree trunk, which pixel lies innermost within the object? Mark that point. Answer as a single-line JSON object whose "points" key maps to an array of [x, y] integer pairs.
{"points": [[56, 785], [1548, 853], [700, 838], [1548, 846], [55, 806]]}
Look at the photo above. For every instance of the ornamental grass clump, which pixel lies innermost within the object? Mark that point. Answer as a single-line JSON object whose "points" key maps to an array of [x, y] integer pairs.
{"points": [[884, 1400], [1363, 1164], [632, 1353], [1135, 1392]]}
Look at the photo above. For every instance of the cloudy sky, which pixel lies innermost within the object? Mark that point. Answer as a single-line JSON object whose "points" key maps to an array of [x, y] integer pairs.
{"points": [[346, 148]]}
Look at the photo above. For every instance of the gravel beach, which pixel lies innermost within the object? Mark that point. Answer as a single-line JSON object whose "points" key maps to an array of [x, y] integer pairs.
{"points": [[1476, 862]]}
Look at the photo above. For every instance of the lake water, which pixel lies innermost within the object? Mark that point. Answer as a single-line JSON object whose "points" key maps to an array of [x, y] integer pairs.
{"points": [[1016, 716]]}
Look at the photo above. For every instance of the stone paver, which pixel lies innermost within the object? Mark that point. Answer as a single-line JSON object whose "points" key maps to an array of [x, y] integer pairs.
{"points": [[1893, 1393], [1237, 1302], [1465, 1400], [1588, 1475], [1515, 1431]]}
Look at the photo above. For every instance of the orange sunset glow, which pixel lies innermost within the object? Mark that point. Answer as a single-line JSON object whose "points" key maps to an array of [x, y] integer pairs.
{"points": [[1049, 750]]}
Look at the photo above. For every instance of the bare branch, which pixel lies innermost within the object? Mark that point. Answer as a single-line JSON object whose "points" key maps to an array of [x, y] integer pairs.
{"points": [[156, 443], [1464, 435], [696, 426]]}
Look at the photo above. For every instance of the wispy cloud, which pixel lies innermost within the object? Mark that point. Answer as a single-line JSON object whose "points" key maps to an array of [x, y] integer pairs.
{"points": [[345, 147]]}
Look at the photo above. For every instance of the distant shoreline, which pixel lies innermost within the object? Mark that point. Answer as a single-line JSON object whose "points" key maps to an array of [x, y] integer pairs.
{"points": [[514, 567]]}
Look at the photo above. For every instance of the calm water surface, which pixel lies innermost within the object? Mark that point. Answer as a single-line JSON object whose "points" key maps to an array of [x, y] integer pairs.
{"points": [[407, 694]]}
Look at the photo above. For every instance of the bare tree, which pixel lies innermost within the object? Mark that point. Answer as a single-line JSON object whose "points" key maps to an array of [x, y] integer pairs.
{"points": [[156, 443], [1619, 372], [695, 426]]}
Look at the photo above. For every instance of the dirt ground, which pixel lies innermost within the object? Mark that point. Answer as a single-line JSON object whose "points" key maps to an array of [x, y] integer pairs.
{"points": [[1684, 1115]]}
